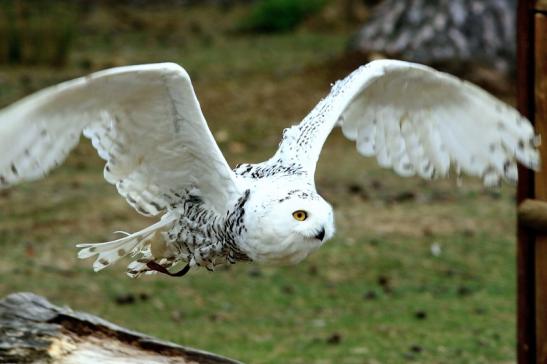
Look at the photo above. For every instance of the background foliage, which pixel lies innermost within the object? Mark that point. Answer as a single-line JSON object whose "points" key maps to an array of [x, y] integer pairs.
{"points": [[279, 15]]}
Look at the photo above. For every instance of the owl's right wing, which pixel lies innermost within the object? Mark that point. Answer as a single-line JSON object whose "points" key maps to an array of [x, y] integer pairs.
{"points": [[144, 120]]}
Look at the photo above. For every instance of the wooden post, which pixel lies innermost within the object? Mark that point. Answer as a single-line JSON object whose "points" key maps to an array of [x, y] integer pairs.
{"points": [[532, 241], [541, 181]]}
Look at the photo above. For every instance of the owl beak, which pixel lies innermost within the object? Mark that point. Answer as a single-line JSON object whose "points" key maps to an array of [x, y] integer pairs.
{"points": [[321, 234]]}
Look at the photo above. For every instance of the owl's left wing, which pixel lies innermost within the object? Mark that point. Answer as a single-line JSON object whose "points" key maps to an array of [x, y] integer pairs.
{"points": [[416, 120]]}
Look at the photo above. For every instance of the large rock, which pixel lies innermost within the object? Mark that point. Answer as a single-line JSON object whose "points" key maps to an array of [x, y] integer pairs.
{"points": [[448, 34]]}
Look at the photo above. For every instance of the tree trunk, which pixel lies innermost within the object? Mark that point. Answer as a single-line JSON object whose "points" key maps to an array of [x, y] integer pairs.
{"points": [[32, 330]]}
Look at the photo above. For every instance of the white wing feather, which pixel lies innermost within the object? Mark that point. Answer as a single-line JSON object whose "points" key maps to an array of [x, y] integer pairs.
{"points": [[145, 121], [417, 120]]}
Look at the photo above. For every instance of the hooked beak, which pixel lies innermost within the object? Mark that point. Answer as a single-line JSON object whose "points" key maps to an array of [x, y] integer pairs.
{"points": [[321, 234]]}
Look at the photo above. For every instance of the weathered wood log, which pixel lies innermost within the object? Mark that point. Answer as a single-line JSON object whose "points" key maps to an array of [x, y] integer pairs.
{"points": [[32, 330], [532, 214]]}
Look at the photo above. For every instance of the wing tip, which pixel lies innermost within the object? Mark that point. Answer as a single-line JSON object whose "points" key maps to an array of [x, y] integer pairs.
{"points": [[174, 68]]}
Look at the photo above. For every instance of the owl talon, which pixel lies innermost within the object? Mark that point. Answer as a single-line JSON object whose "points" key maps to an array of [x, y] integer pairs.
{"points": [[158, 268]]}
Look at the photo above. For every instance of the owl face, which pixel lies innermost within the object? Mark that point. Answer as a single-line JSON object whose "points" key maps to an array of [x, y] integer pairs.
{"points": [[288, 227]]}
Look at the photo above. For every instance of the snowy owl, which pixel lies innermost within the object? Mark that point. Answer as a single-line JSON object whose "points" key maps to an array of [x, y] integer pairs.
{"points": [[146, 123]]}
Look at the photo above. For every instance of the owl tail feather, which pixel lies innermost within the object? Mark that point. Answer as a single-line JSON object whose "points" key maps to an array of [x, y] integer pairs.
{"points": [[110, 251]]}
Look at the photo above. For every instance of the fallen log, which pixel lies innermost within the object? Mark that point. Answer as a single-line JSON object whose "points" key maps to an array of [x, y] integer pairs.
{"points": [[32, 330]]}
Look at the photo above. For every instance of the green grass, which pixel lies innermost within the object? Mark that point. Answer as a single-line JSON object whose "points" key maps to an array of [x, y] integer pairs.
{"points": [[362, 298], [272, 16]]}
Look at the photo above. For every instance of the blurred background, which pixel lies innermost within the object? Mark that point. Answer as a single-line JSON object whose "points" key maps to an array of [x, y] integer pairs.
{"points": [[418, 272]]}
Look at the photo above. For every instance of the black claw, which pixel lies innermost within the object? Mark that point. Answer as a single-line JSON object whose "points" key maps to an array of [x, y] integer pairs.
{"points": [[158, 268]]}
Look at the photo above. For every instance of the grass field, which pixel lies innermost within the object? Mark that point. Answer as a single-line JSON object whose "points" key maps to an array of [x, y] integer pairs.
{"points": [[376, 293]]}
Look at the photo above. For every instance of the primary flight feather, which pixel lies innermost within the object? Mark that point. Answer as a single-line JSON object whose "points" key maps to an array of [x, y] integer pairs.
{"points": [[146, 123]]}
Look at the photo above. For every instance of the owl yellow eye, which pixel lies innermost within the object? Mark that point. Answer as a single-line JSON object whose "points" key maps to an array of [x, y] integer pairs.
{"points": [[300, 215]]}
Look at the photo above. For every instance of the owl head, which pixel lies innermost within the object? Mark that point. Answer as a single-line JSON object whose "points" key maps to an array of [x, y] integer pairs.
{"points": [[285, 226]]}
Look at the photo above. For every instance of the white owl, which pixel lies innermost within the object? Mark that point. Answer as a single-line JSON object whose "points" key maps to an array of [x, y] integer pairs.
{"points": [[146, 122]]}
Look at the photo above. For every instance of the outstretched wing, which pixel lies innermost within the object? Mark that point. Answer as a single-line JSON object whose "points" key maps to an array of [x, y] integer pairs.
{"points": [[144, 120], [417, 121]]}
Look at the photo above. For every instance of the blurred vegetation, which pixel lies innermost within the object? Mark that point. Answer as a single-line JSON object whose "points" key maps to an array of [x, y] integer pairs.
{"points": [[418, 271], [29, 37], [279, 15]]}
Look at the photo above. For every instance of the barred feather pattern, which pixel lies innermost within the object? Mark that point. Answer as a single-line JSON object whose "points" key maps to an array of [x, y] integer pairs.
{"points": [[199, 236]]}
